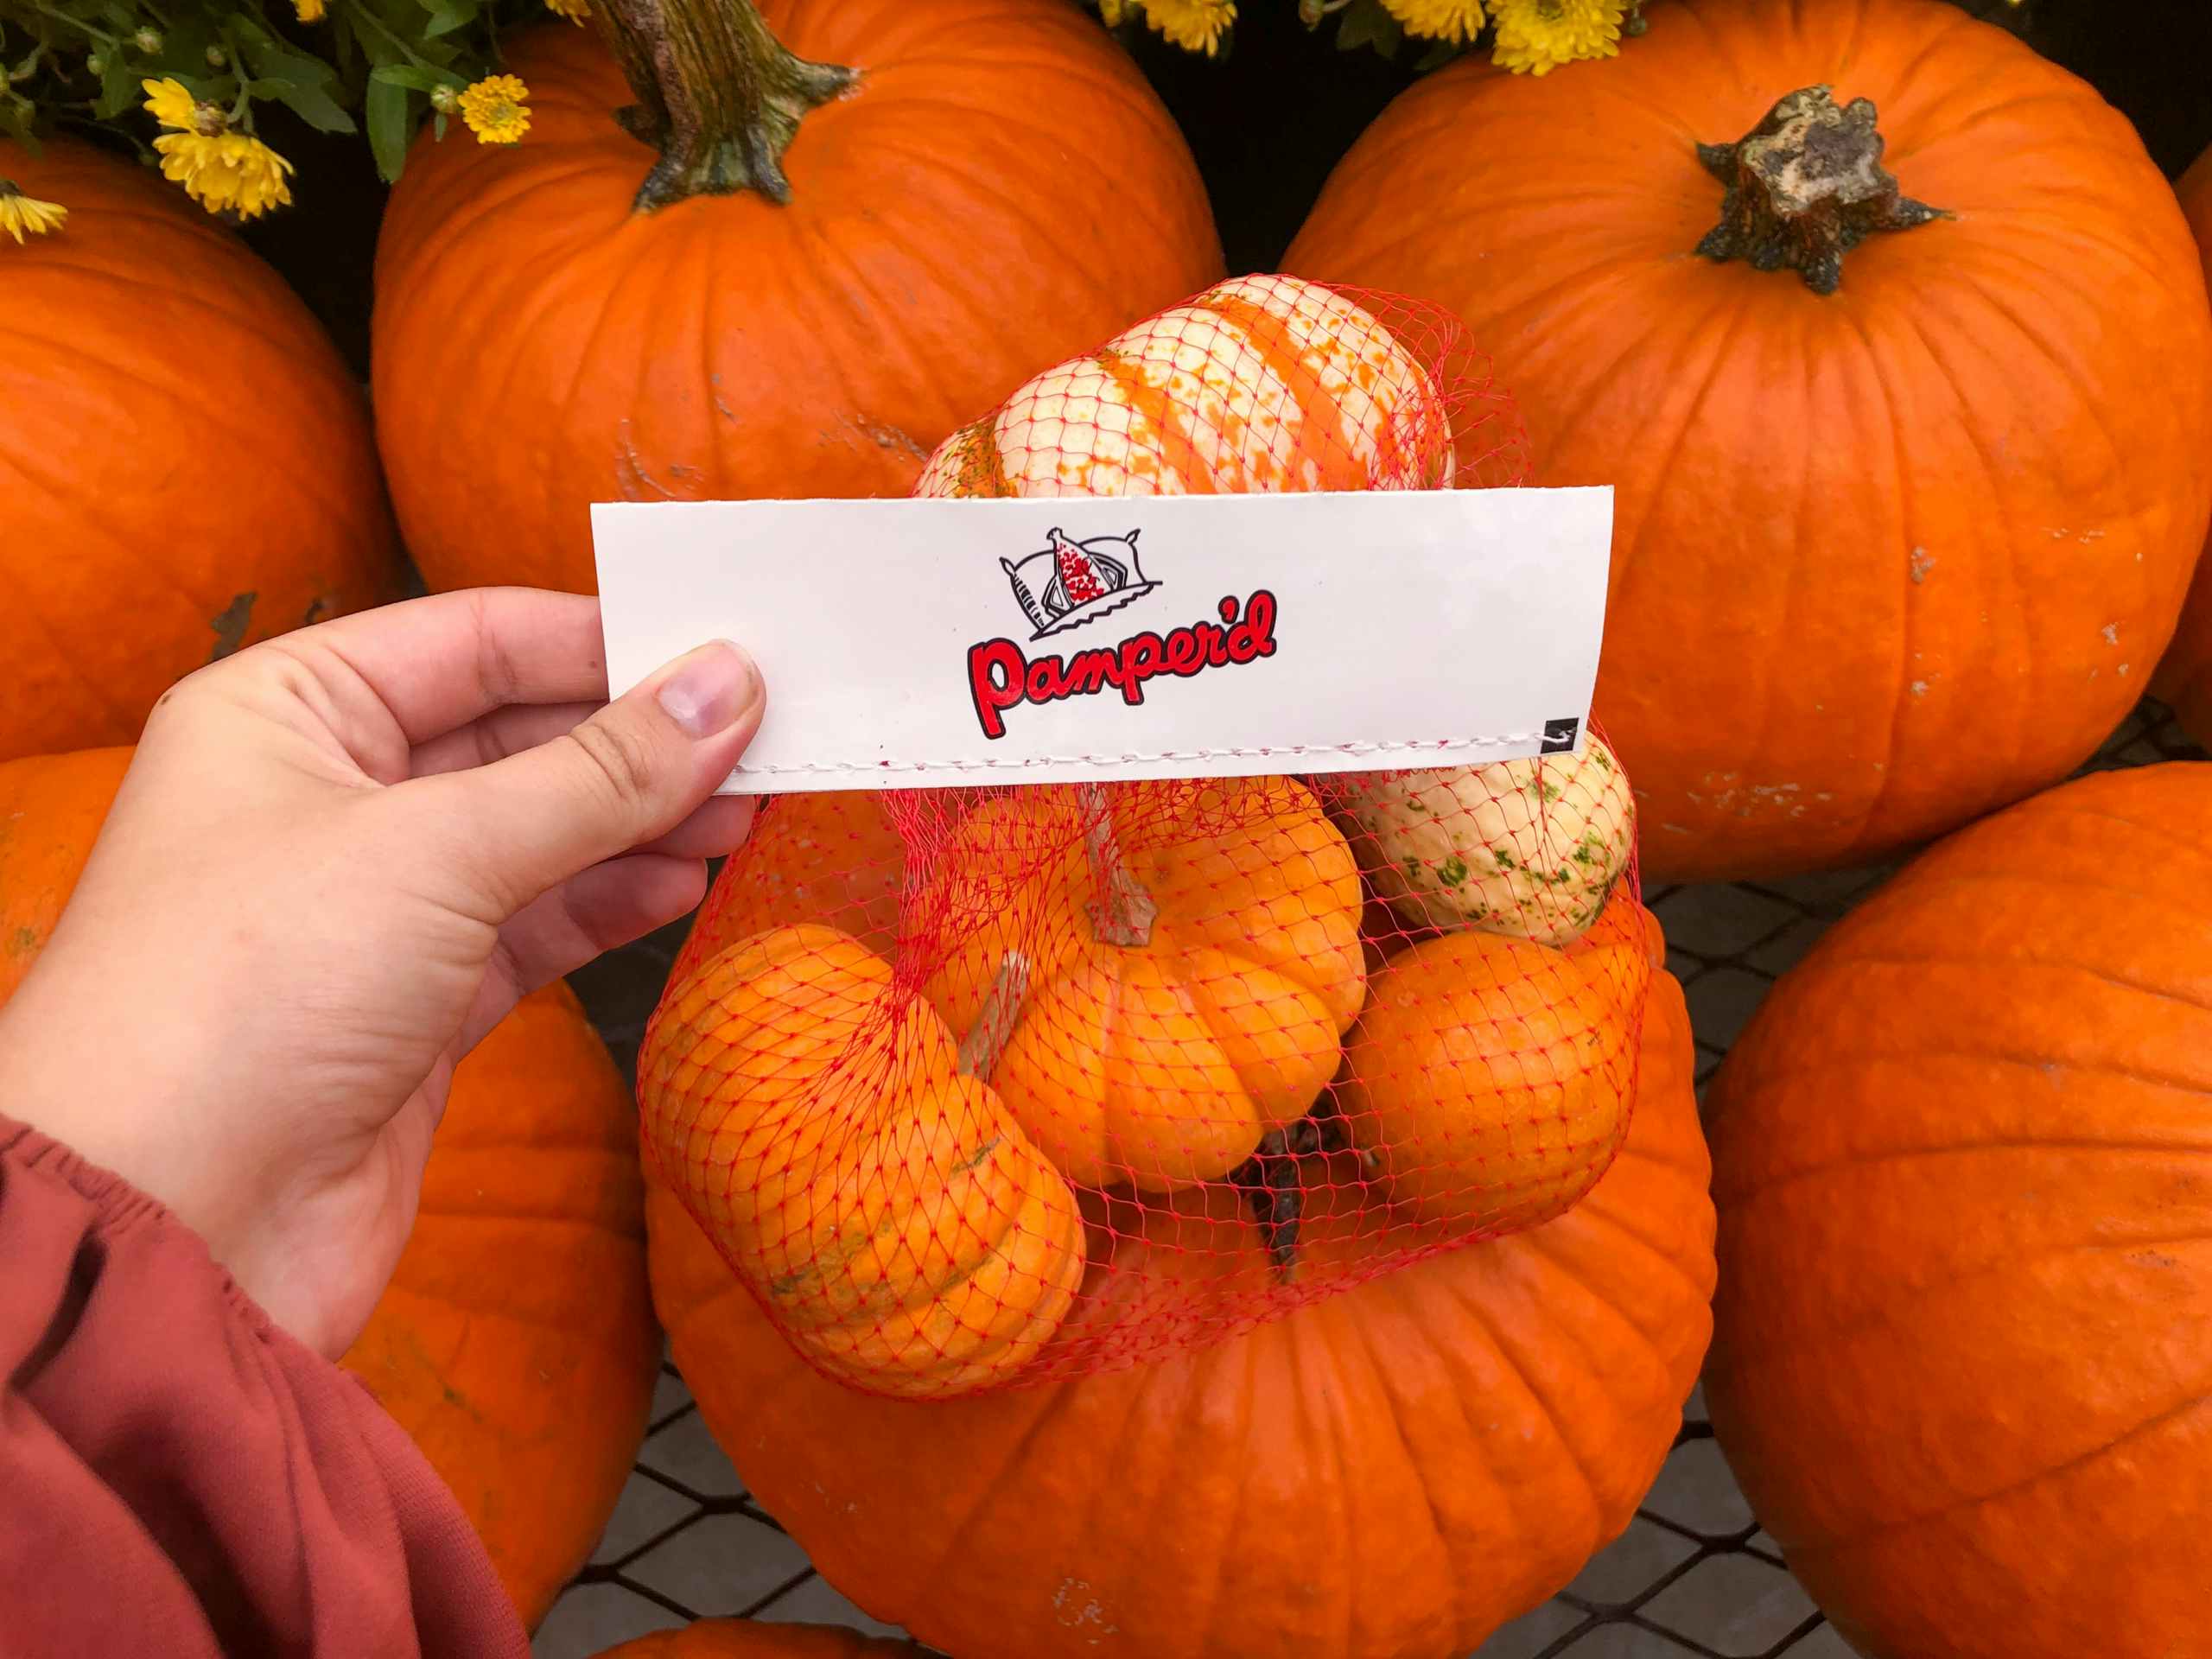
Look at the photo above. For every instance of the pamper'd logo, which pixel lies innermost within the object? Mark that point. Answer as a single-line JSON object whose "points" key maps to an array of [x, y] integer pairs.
{"points": [[1068, 584]]}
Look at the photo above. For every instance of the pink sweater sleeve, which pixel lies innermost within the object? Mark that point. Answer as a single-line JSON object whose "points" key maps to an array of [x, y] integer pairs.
{"points": [[180, 1478]]}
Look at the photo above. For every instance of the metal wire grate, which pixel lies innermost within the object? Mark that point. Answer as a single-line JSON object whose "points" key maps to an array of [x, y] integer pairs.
{"points": [[1693, 1575]]}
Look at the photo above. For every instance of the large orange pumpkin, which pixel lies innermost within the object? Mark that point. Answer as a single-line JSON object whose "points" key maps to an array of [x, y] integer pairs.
{"points": [[747, 1638], [995, 188], [1963, 1160], [1394, 1471], [1886, 556], [185, 463], [2186, 678], [516, 1342]]}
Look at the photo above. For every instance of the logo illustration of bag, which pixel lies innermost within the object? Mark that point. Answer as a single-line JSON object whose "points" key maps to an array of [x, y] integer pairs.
{"points": [[1069, 583]]}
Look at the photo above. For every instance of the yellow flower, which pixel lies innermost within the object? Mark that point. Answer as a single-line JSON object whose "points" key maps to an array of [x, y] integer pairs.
{"points": [[311, 12], [228, 172], [21, 214], [1194, 25], [1111, 12], [1536, 36], [497, 109], [169, 104], [1439, 20], [575, 10]]}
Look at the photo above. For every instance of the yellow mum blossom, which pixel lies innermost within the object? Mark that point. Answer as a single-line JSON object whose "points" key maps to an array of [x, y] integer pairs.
{"points": [[1536, 36], [21, 215], [226, 172], [497, 109], [1111, 12], [1194, 25], [575, 10], [169, 104], [1439, 20], [311, 12]]}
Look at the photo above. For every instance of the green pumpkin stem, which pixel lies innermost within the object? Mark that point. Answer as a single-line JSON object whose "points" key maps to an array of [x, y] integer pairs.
{"points": [[1122, 912], [986, 1041], [718, 95], [1805, 187]]}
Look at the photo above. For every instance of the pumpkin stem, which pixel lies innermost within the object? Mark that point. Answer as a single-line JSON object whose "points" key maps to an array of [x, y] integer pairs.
{"points": [[987, 1038], [1122, 912], [1805, 187], [718, 95]]}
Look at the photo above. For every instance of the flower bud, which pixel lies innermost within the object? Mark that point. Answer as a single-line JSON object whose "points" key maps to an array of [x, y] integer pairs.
{"points": [[148, 40], [445, 100], [217, 58]]}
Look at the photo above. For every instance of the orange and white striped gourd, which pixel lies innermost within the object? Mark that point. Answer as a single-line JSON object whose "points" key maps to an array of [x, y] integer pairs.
{"points": [[1262, 384]]}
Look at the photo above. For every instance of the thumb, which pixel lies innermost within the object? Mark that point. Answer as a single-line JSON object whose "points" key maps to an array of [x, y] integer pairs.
{"points": [[632, 772]]}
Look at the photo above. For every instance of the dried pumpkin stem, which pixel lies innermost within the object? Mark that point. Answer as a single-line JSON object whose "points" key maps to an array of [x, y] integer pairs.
{"points": [[1122, 912], [1805, 187], [986, 1041], [718, 95]]}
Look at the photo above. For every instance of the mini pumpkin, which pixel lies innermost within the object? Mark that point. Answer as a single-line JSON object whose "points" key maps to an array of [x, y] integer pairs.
{"points": [[1403, 1466], [1196, 960], [836, 858], [850, 1162], [1489, 1077], [1528, 847], [1260, 384]]}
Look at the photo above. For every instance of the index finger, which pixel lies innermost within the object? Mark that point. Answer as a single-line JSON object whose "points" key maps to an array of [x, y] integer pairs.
{"points": [[439, 663]]}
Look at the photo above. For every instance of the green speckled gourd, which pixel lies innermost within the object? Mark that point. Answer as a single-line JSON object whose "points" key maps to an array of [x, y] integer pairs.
{"points": [[1524, 848]]}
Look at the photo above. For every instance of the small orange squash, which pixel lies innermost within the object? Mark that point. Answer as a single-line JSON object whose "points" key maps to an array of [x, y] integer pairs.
{"points": [[855, 1168], [835, 858], [1490, 1077], [185, 460], [2184, 678], [1387, 1473], [516, 1342], [747, 1638], [1196, 960]]}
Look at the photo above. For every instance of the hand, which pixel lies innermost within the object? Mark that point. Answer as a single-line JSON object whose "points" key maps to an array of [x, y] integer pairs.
{"points": [[337, 860]]}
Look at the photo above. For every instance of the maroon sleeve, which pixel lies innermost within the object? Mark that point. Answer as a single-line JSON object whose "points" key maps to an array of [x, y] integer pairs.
{"points": [[181, 1478]]}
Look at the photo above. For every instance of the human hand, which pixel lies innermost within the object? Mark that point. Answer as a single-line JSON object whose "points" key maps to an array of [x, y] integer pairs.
{"points": [[337, 860]]}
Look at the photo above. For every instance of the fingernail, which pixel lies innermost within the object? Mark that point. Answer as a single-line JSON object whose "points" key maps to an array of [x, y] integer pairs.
{"points": [[710, 688]]}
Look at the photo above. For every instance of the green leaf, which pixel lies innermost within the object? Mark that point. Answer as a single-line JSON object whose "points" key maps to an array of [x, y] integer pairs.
{"points": [[119, 88], [1439, 53], [389, 112], [312, 103], [1366, 23], [447, 15], [416, 81]]}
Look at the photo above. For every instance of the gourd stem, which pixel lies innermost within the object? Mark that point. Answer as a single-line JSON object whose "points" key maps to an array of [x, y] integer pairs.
{"points": [[1805, 187], [718, 95], [986, 1041], [1122, 912]]}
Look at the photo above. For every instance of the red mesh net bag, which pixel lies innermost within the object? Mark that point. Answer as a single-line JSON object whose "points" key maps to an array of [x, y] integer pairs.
{"points": [[979, 1087]]}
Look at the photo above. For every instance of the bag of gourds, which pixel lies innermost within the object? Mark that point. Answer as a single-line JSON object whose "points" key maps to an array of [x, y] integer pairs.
{"points": [[940, 1071]]}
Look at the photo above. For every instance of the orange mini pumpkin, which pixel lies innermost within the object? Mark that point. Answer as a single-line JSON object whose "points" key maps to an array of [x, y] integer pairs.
{"points": [[1401, 1468], [2184, 678], [854, 1167], [1264, 383], [1963, 1158], [1885, 557], [515, 1343], [932, 197], [835, 858], [148, 352], [1489, 1077], [1195, 962]]}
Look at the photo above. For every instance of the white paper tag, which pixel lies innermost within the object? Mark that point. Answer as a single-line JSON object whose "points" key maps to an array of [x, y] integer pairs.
{"points": [[932, 642]]}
